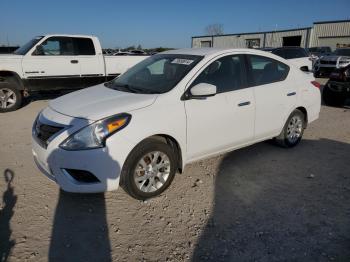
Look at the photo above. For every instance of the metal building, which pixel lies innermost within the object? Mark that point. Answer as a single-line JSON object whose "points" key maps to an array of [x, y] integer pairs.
{"points": [[328, 33]]}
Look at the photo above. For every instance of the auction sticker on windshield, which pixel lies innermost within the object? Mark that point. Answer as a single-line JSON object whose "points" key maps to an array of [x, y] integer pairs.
{"points": [[181, 61]]}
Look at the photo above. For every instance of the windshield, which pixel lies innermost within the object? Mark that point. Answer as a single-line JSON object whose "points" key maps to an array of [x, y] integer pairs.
{"points": [[156, 74], [25, 48], [344, 52]]}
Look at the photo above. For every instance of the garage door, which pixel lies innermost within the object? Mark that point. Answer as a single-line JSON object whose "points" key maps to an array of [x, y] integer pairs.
{"points": [[334, 41]]}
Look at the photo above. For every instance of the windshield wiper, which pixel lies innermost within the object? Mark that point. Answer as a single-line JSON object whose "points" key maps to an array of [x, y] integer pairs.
{"points": [[125, 87], [133, 89]]}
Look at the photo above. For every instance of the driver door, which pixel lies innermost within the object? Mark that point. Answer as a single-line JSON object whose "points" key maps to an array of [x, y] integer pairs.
{"points": [[53, 65], [223, 121]]}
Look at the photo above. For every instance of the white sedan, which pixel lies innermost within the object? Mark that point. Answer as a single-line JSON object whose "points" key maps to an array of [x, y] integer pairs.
{"points": [[171, 109]]}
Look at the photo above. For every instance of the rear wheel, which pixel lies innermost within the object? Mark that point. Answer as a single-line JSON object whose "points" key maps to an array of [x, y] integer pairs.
{"points": [[149, 169], [10, 96], [332, 98], [293, 130]]}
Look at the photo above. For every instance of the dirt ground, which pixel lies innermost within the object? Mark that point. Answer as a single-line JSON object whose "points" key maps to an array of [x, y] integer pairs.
{"points": [[261, 203]]}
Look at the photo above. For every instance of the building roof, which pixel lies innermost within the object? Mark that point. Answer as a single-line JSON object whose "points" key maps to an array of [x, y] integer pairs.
{"points": [[331, 22], [255, 33], [274, 31]]}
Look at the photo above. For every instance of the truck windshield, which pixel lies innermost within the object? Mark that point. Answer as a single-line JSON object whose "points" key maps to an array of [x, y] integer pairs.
{"points": [[25, 48], [156, 74]]}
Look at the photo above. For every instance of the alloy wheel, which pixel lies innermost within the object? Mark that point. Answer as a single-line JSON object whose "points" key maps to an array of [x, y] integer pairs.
{"points": [[152, 171], [7, 98], [294, 129]]}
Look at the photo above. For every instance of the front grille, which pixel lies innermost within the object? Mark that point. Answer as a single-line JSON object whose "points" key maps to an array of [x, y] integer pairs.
{"points": [[44, 132]]}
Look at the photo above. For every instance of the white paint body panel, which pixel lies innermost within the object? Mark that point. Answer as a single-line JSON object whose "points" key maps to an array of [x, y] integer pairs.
{"points": [[41, 66], [303, 61], [202, 127]]}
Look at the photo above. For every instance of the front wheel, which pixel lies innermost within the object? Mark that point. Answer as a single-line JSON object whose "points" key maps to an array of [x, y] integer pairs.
{"points": [[293, 130], [332, 98], [149, 169], [10, 96]]}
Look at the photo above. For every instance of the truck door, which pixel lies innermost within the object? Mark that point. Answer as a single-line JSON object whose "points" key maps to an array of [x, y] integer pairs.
{"points": [[53, 65], [91, 61]]}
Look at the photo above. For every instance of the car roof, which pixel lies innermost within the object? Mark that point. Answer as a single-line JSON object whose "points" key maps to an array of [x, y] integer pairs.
{"points": [[210, 51], [289, 47]]}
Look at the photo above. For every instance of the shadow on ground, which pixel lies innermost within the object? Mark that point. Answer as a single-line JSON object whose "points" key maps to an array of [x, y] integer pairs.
{"points": [[80, 229], [275, 204], [9, 200]]}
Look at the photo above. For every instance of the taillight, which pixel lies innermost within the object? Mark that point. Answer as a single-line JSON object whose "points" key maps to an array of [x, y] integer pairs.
{"points": [[316, 84]]}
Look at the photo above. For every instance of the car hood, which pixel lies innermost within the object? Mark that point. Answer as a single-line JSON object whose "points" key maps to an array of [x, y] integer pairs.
{"points": [[332, 58], [9, 56], [98, 102], [10, 62]]}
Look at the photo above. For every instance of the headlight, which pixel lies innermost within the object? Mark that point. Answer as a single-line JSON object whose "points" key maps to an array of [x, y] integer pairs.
{"points": [[95, 135]]}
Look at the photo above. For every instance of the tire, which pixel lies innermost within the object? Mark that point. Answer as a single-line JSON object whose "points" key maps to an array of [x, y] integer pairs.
{"points": [[295, 123], [331, 98], [10, 96], [151, 181]]}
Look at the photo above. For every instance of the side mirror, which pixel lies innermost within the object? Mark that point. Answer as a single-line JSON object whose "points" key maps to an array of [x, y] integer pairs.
{"points": [[39, 50], [304, 69], [202, 90]]}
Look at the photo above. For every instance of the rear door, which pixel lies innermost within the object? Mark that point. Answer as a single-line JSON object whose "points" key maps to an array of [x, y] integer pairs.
{"points": [[275, 94], [91, 62], [53, 65], [225, 120]]}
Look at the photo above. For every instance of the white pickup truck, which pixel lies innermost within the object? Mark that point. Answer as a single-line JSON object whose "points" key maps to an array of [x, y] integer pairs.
{"points": [[55, 62]]}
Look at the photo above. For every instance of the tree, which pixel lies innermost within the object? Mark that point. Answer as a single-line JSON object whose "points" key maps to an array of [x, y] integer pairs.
{"points": [[139, 47], [214, 29]]}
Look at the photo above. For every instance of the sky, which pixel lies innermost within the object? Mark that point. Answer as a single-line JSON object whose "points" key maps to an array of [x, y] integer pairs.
{"points": [[155, 23]]}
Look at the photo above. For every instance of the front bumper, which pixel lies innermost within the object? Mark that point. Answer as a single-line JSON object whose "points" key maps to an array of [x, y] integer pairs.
{"points": [[103, 163]]}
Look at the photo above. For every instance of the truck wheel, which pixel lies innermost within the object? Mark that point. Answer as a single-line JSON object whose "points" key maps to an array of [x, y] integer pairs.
{"points": [[149, 169], [10, 96], [293, 130], [332, 98]]}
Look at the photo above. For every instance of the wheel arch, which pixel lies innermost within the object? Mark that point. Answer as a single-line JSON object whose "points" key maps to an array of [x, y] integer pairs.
{"points": [[304, 111], [175, 145], [170, 140], [4, 74]]}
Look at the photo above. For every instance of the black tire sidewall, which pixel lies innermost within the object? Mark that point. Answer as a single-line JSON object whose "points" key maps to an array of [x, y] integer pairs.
{"points": [[10, 83], [127, 179]]}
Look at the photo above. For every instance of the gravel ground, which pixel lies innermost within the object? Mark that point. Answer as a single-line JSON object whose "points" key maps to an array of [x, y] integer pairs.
{"points": [[261, 203]]}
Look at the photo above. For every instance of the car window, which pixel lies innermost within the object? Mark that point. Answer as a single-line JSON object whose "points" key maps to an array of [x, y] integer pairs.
{"points": [[84, 46], [225, 73], [291, 53], [55, 46], [157, 68], [266, 70]]}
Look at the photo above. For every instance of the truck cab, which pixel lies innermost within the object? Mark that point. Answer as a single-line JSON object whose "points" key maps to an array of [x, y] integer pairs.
{"points": [[56, 62]]}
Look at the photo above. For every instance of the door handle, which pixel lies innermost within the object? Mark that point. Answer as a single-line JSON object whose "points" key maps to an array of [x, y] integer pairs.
{"points": [[291, 94], [74, 61], [244, 103]]}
